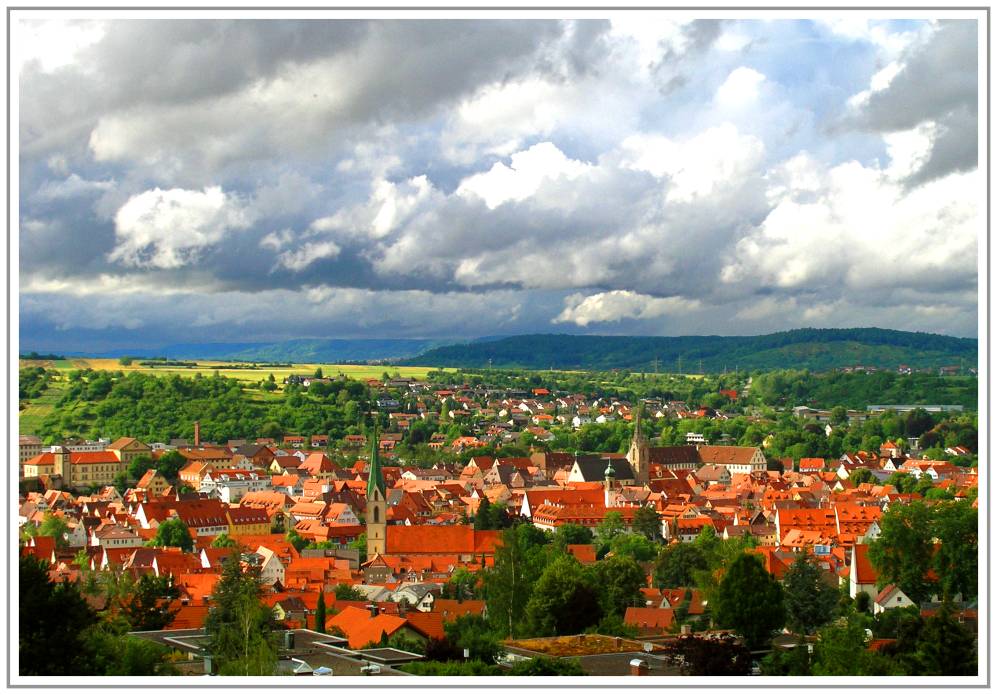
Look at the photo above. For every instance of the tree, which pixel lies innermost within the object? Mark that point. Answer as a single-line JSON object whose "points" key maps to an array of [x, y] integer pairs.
{"points": [[564, 601], [646, 522], [173, 533], [547, 666], [345, 592], [750, 600], [810, 601], [841, 650], [634, 545], [719, 656], [475, 634], [787, 662], [320, 613], [945, 647], [461, 585], [861, 475], [955, 525], [147, 607], [169, 465], [607, 529], [223, 540], [902, 554], [621, 579], [295, 539], [676, 565], [318, 373], [572, 534], [863, 602], [509, 583], [55, 527], [52, 616], [138, 466], [240, 627]]}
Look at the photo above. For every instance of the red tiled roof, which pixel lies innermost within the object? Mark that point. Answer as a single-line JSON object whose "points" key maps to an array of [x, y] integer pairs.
{"points": [[649, 619], [440, 540]]}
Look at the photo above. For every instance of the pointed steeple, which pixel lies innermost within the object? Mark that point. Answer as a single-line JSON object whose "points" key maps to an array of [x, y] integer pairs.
{"points": [[638, 434], [375, 480]]}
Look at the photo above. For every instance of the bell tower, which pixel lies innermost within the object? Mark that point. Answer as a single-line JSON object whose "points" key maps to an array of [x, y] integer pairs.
{"points": [[639, 455], [377, 522]]}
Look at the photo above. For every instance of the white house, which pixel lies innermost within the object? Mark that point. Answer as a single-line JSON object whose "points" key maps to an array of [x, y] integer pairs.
{"points": [[890, 597]]}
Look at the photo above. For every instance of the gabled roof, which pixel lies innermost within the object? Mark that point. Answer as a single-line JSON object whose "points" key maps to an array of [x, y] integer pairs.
{"points": [[593, 468], [361, 628]]}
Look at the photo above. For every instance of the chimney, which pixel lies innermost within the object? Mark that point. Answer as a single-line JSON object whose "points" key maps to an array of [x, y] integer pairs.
{"points": [[686, 629], [617, 642], [639, 667], [372, 607], [197, 433]]}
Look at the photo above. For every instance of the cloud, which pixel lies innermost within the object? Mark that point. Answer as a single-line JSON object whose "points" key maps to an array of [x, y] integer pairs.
{"points": [[651, 173], [307, 254], [934, 81], [698, 166], [740, 88], [527, 171], [619, 304], [167, 229]]}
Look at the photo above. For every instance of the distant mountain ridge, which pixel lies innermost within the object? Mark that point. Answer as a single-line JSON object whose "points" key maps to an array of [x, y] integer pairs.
{"points": [[804, 348], [300, 350]]}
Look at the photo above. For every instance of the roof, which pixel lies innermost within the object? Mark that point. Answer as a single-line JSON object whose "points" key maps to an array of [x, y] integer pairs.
{"points": [[865, 572], [593, 468], [656, 618], [440, 540], [361, 628], [727, 454]]}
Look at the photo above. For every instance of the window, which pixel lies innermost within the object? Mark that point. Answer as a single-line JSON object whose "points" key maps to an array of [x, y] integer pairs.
{"points": [[377, 515]]}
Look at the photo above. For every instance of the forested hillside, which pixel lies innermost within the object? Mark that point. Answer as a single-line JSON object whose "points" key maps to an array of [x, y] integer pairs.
{"points": [[807, 348]]}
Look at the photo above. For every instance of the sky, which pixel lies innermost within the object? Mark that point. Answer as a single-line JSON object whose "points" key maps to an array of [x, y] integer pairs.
{"points": [[645, 174]]}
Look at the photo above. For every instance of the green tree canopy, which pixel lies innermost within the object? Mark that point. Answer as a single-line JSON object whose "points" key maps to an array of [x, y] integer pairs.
{"points": [[240, 627], [173, 533], [52, 616], [956, 526], [621, 579], [902, 554], [147, 607], [677, 564], [810, 600], [750, 600], [647, 523], [564, 600]]}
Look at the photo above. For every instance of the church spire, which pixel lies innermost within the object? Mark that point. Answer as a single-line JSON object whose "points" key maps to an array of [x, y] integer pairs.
{"points": [[375, 479]]}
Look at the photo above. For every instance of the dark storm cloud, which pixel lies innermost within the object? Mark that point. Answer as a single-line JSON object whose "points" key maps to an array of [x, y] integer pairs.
{"points": [[380, 177], [938, 82]]}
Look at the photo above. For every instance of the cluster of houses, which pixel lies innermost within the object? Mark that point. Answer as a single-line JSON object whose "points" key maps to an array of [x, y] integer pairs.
{"points": [[416, 520]]}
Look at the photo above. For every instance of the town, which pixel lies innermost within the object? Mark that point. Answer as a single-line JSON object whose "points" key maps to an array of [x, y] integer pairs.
{"points": [[499, 524]]}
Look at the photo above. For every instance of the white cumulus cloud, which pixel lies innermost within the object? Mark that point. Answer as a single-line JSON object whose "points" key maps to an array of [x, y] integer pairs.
{"points": [[527, 171], [168, 229], [620, 304]]}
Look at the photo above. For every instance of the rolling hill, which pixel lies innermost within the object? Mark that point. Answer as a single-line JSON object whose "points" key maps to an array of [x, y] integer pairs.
{"points": [[805, 348]]}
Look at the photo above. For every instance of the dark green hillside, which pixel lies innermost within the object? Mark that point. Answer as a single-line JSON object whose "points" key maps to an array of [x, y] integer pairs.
{"points": [[807, 348]]}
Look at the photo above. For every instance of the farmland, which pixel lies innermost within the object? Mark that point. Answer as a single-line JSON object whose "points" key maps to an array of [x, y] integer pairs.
{"points": [[248, 374]]}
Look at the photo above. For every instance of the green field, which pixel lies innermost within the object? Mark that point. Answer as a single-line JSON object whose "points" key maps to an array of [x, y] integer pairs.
{"points": [[208, 367]]}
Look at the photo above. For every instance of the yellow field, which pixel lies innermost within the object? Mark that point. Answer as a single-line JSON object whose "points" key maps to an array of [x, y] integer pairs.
{"points": [[208, 367]]}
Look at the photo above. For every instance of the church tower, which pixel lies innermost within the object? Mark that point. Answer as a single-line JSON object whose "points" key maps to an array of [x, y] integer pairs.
{"points": [[609, 483], [639, 455], [377, 521]]}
